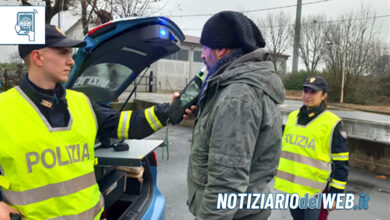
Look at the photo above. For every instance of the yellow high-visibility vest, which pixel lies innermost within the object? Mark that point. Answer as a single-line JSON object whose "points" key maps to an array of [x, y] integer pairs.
{"points": [[305, 161], [48, 172]]}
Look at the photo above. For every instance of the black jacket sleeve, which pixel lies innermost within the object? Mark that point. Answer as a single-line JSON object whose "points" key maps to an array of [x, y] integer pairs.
{"points": [[129, 124], [340, 157]]}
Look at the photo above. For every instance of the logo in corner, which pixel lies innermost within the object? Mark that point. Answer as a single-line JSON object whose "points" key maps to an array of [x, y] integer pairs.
{"points": [[25, 24]]}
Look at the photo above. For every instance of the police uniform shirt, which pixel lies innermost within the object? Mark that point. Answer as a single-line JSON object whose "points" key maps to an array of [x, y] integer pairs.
{"points": [[339, 144]]}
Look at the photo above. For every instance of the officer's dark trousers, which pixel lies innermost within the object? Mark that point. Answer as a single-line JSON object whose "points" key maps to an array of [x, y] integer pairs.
{"points": [[305, 214]]}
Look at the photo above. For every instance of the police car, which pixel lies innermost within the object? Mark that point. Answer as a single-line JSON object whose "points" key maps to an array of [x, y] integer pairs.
{"points": [[115, 54]]}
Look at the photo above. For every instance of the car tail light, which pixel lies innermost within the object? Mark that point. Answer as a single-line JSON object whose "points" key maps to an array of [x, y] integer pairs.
{"points": [[101, 29], [155, 158], [103, 216]]}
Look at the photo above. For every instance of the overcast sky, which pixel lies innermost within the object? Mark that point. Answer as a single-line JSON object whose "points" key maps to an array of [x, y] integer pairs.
{"points": [[332, 9], [192, 25]]}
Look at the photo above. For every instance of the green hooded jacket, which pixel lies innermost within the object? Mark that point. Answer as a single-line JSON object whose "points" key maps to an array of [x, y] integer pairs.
{"points": [[237, 136]]}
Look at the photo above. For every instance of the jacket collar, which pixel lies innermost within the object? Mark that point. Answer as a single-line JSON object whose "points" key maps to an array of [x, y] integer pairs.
{"points": [[43, 97], [312, 113], [233, 60]]}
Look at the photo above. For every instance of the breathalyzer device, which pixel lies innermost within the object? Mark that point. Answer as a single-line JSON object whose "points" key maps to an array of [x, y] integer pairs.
{"points": [[188, 97]]}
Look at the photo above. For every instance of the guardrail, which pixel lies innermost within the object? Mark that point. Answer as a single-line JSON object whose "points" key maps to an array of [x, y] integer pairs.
{"points": [[361, 129]]}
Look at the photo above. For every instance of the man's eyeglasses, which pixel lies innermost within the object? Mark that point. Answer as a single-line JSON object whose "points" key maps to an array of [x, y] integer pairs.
{"points": [[309, 90]]}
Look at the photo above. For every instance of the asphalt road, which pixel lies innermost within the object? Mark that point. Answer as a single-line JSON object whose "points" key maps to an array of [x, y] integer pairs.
{"points": [[172, 174], [172, 183]]}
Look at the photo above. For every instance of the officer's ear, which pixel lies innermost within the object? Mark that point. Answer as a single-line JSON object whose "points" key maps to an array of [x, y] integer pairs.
{"points": [[36, 58], [324, 95]]}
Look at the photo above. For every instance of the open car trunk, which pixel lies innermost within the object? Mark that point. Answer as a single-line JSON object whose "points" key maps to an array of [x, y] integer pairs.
{"points": [[115, 54], [126, 197]]}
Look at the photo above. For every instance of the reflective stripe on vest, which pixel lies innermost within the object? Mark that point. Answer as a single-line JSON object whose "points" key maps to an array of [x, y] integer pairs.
{"points": [[49, 191], [88, 214], [48, 169], [305, 162], [300, 180]]}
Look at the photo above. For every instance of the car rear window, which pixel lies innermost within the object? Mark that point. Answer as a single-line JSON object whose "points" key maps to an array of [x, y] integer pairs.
{"points": [[103, 75]]}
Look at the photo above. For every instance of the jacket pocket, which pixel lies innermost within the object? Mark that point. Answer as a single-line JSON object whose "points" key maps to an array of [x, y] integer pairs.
{"points": [[195, 202], [191, 194], [199, 174]]}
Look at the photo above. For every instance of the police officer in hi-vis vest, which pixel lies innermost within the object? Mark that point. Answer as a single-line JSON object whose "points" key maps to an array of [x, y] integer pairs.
{"points": [[314, 155], [48, 134]]}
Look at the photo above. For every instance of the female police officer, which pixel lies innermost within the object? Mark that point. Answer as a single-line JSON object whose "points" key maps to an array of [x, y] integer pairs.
{"points": [[314, 153]]}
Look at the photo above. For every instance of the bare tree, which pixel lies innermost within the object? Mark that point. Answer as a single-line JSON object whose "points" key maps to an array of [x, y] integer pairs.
{"points": [[102, 11], [84, 18], [89, 9], [277, 34], [52, 7], [125, 8], [313, 41], [353, 40], [353, 46]]}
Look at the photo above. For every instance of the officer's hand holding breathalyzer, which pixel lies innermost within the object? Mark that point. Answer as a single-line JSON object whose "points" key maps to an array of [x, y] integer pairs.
{"points": [[174, 96], [189, 112], [183, 106]]}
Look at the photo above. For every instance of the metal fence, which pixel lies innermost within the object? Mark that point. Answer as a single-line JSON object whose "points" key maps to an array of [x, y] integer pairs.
{"points": [[11, 76], [146, 84]]}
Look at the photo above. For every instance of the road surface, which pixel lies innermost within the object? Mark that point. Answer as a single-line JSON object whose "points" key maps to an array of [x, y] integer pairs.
{"points": [[172, 183]]}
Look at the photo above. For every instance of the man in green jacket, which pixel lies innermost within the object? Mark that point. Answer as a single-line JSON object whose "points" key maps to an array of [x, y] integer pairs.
{"points": [[238, 128]]}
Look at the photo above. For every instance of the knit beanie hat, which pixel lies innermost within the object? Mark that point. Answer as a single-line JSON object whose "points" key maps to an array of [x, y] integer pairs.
{"points": [[230, 29]]}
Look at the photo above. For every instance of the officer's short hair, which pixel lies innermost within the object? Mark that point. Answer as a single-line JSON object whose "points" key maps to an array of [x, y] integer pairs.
{"points": [[27, 60]]}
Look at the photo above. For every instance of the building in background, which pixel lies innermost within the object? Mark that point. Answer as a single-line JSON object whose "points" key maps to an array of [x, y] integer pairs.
{"points": [[172, 73], [281, 64], [383, 64], [175, 71]]}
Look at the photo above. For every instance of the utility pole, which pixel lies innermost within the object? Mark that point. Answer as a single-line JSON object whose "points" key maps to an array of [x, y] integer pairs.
{"points": [[59, 20], [297, 36], [343, 77], [59, 14]]}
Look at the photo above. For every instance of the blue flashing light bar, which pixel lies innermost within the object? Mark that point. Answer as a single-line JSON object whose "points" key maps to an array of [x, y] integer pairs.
{"points": [[163, 33]]}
